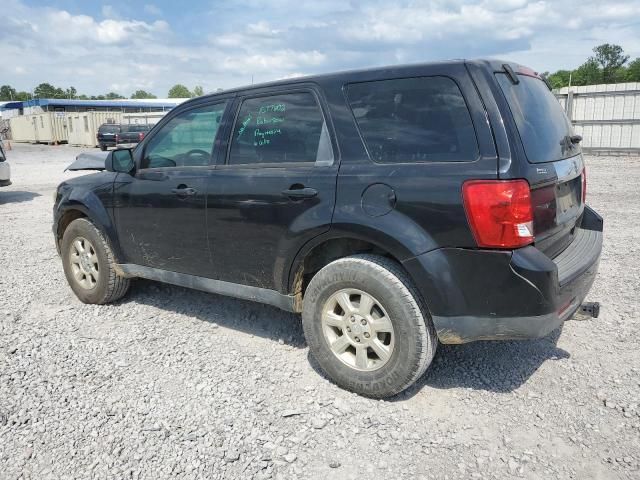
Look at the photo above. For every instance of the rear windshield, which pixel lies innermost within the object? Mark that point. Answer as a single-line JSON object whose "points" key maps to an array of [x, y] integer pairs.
{"points": [[109, 129], [542, 124]]}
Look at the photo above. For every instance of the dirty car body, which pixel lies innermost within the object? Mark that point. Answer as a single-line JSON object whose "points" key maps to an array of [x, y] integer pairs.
{"points": [[395, 175]]}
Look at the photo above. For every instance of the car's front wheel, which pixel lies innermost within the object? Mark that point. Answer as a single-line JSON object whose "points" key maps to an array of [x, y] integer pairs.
{"points": [[367, 326], [89, 264]]}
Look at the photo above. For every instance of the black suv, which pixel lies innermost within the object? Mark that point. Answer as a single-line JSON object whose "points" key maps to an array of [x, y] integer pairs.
{"points": [[106, 135], [393, 207]]}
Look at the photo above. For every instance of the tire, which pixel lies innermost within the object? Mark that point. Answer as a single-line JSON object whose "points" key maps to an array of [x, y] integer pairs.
{"points": [[103, 148], [93, 279], [409, 346]]}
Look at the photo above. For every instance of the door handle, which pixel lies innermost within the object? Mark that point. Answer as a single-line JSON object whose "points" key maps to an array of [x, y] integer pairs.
{"points": [[184, 191], [300, 193]]}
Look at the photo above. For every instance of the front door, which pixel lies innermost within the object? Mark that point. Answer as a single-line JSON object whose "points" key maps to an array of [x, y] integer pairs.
{"points": [[160, 210], [275, 191]]}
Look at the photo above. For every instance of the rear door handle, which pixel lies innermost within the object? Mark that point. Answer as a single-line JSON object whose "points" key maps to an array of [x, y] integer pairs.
{"points": [[184, 191], [301, 193]]}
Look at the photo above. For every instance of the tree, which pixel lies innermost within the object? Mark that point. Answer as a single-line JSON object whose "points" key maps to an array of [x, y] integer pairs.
{"points": [[113, 96], [559, 79], [198, 91], [587, 74], [632, 73], [179, 91], [7, 93], [71, 92], [142, 94], [23, 96], [610, 58], [46, 90]]}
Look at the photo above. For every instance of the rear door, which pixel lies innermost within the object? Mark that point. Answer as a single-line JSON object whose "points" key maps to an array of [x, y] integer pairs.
{"points": [[273, 190], [160, 210], [550, 160]]}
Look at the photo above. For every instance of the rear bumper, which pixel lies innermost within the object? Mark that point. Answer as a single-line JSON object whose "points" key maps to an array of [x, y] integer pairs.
{"points": [[489, 295]]}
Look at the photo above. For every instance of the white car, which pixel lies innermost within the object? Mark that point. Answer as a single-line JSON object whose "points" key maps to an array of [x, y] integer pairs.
{"points": [[5, 170]]}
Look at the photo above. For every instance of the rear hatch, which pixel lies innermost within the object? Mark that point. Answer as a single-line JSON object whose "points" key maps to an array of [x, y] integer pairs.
{"points": [[555, 168], [107, 132]]}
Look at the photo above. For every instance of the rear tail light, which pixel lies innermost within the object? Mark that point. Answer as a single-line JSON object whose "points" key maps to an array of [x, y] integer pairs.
{"points": [[140, 136], [499, 212], [584, 185]]}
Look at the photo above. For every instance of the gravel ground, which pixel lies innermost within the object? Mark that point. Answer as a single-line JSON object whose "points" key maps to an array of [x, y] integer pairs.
{"points": [[176, 383]]}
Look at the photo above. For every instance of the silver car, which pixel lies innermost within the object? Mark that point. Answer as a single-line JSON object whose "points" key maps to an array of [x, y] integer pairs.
{"points": [[5, 170]]}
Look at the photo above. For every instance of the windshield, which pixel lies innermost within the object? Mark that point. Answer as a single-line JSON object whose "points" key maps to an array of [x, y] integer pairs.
{"points": [[543, 127]]}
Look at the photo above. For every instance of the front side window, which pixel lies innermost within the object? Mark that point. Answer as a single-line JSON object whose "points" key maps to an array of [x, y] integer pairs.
{"points": [[414, 120], [287, 128], [186, 140]]}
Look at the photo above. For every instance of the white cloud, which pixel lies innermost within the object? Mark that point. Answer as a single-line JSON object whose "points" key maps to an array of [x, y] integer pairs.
{"points": [[227, 46], [152, 9]]}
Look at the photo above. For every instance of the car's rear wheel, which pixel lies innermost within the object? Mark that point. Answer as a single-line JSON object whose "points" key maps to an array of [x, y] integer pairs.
{"points": [[88, 264], [367, 326]]}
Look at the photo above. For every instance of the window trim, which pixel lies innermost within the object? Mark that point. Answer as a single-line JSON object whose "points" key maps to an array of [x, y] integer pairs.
{"points": [[149, 138], [345, 90], [284, 91]]}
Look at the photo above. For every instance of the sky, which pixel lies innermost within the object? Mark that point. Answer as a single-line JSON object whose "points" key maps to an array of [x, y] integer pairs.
{"points": [[125, 45]]}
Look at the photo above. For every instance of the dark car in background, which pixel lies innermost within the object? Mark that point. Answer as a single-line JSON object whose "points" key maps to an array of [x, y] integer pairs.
{"points": [[394, 208], [106, 135], [115, 134], [131, 134]]}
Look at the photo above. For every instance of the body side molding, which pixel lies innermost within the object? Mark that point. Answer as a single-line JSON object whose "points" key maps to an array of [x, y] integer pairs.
{"points": [[256, 294]]}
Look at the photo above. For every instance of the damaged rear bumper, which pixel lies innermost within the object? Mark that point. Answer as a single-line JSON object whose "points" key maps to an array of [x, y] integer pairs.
{"points": [[495, 295]]}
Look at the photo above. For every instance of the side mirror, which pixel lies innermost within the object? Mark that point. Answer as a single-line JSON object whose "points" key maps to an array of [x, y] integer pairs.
{"points": [[120, 160]]}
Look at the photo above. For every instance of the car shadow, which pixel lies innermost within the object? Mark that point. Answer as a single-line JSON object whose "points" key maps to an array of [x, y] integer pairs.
{"points": [[17, 196], [495, 366], [242, 315]]}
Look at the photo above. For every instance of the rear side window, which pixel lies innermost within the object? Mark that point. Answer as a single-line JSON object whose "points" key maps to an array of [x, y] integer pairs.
{"points": [[286, 128], [414, 120], [541, 122]]}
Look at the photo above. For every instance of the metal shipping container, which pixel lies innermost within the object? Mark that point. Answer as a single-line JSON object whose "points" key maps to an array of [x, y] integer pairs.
{"points": [[83, 126], [48, 127]]}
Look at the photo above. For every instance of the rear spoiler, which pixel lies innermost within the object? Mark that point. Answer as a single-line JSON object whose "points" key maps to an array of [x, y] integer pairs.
{"points": [[88, 161], [513, 76]]}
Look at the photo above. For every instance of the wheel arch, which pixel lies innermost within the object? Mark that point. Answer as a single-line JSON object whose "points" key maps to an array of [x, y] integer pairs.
{"points": [[338, 243], [90, 207]]}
